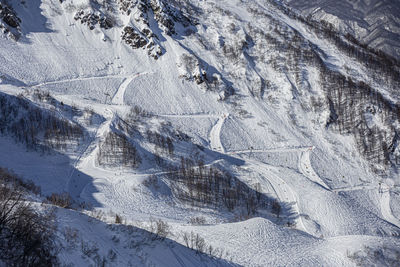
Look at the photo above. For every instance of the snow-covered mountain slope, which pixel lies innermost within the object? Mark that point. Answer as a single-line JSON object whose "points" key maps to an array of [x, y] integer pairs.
{"points": [[375, 23], [258, 136]]}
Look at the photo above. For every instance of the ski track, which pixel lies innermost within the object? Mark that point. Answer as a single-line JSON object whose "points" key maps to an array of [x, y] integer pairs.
{"points": [[194, 115], [75, 164], [118, 98], [215, 134], [385, 206], [77, 79], [87, 157], [306, 168], [355, 188], [272, 150], [283, 191]]}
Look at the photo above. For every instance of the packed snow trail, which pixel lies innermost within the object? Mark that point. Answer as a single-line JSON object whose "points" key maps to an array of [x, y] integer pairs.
{"points": [[283, 191], [118, 98], [355, 188], [215, 134], [75, 164], [87, 158], [194, 115], [78, 79], [304, 163], [306, 168], [386, 210], [272, 150]]}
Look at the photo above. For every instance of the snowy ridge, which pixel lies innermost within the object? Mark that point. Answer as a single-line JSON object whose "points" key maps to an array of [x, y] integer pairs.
{"points": [[235, 123], [374, 22]]}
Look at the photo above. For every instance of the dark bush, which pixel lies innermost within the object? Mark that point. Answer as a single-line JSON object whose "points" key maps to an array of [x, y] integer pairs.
{"points": [[26, 234]]}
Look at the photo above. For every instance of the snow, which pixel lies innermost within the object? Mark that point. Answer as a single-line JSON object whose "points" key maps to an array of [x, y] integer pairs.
{"points": [[336, 206], [215, 134]]}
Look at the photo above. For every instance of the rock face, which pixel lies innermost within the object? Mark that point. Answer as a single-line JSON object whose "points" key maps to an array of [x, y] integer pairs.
{"points": [[141, 32], [9, 21], [142, 26], [8, 16], [168, 16], [133, 38], [136, 40], [91, 19]]}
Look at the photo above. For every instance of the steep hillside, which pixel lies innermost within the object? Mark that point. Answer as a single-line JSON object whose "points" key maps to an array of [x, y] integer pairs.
{"points": [[375, 23], [215, 132]]}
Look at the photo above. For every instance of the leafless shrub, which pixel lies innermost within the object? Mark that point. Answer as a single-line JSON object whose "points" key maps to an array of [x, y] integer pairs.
{"points": [[63, 200], [165, 143], [71, 235], [118, 219], [37, 128], [199, 220], [89, 250], [195, 242], [111, 255], [382, 256], [210, 186], [160, 228], [42, 96], [9, 178], [97, 214], [117, 150], [276, 208], [151, 182], [136, 114], [26, 235]]}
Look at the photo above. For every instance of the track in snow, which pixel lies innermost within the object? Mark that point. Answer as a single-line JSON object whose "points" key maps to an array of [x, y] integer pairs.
{"points": [[195, 115], [272, 150], [283, 191], [304, 163], [78, 79], [215, 134], [306, 168], [355, 188], [87, 158], [118, 98], [385, 205]]}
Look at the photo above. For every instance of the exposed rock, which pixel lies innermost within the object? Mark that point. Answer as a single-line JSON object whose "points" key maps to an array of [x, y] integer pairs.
{"points": [[133, 38], [91, 19], [194, 70], [167, 16], [126, 5], [8, 15], [9, 22]]}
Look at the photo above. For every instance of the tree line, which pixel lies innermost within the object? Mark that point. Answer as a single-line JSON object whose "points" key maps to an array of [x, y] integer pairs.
{"points": [[37, 128], [208, 186]]}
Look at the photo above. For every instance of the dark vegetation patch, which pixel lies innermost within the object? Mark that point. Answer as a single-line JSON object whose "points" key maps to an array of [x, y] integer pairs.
{"points": [[212, 187], [26, 233], [39, 129]]}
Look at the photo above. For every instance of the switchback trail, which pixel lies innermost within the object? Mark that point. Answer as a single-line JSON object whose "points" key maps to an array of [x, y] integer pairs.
{"points": [[306, 168], [118, 98], [215, 134]]}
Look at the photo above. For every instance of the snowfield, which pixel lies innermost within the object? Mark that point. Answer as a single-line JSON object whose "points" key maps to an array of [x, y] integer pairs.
{"points": [[250, 114]]}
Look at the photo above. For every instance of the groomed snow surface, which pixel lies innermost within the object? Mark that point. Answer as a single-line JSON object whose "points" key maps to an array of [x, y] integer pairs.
{"points": [[337, 206]]}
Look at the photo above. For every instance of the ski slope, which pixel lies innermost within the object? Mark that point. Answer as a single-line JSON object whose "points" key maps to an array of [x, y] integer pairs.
{"points": [[251, 116]]}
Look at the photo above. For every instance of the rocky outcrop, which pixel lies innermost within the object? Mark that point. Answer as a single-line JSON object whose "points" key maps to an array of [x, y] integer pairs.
{"points": [[91, 19], [9, 22], [142, 12], [168, 16], [133, 38], [143, 39]]}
